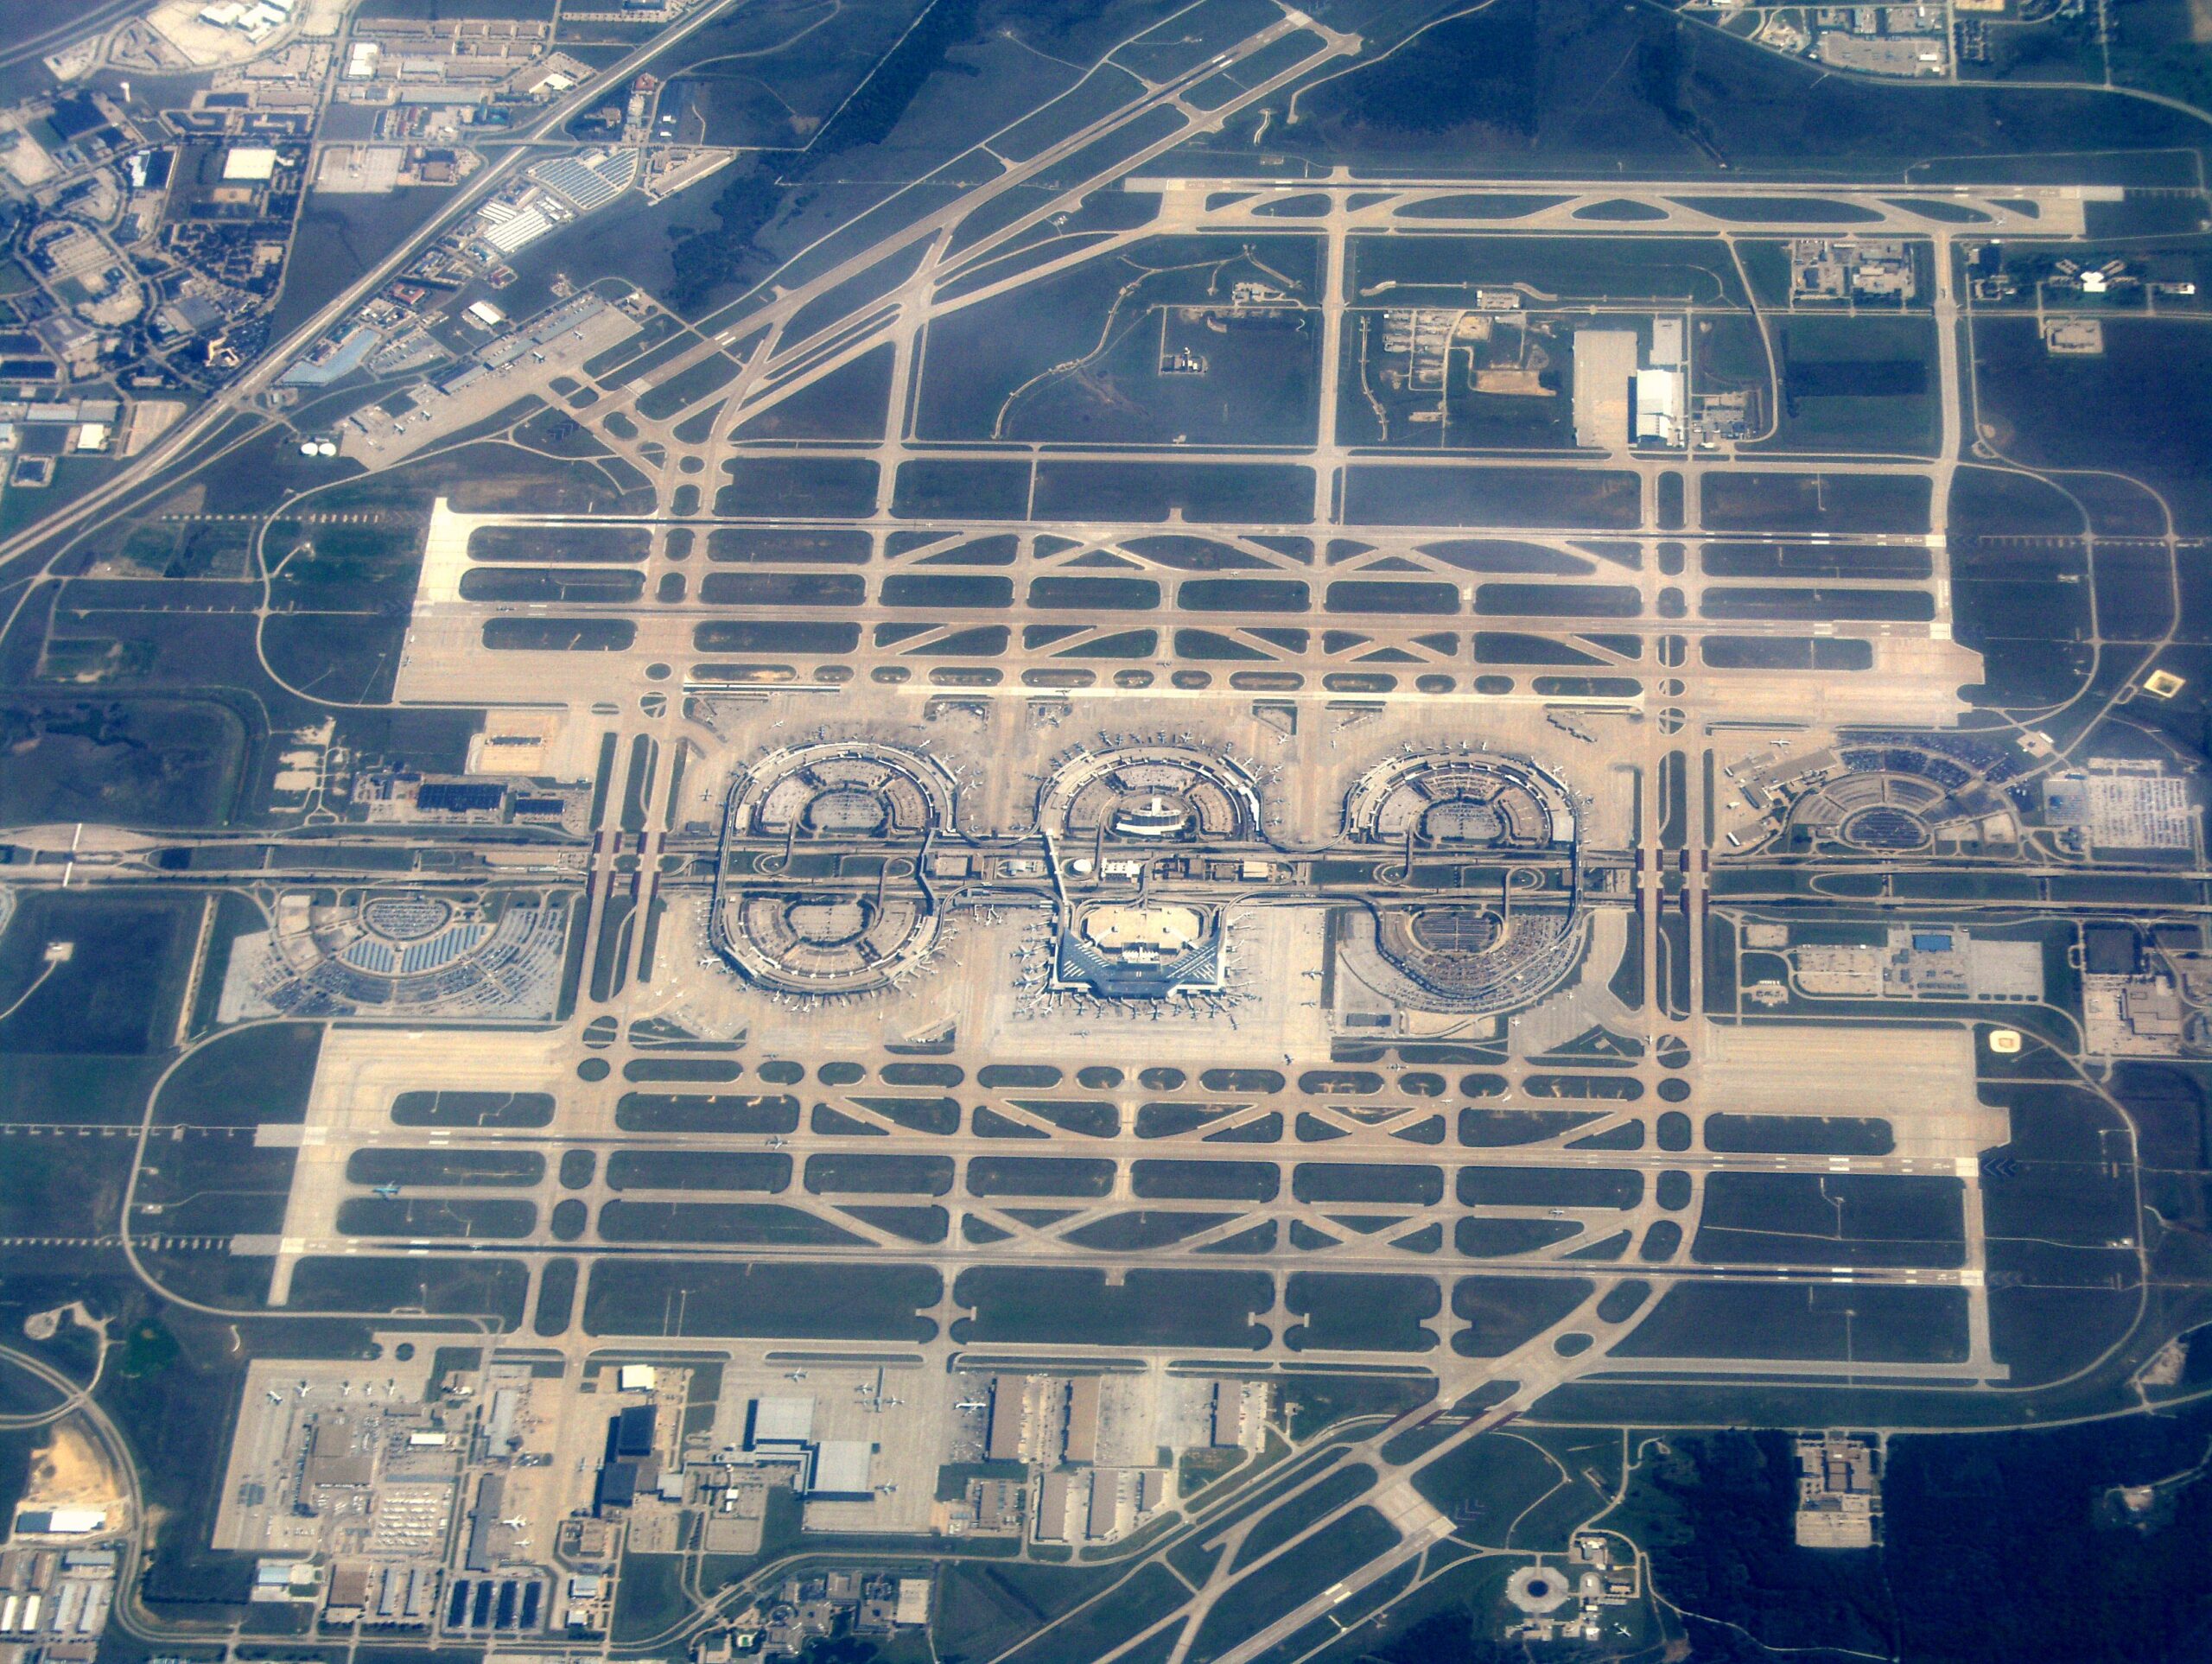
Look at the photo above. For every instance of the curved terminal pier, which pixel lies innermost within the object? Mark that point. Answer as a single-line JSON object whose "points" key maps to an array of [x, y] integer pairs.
{"points": [[819, 890], [1884, 795], [1498, 934], [1149, 794], [403, 951], [1468, 801], [841, 864]]}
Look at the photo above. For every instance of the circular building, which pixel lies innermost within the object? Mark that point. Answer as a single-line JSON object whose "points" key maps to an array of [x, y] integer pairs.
{"points": [[1537, 1590]]}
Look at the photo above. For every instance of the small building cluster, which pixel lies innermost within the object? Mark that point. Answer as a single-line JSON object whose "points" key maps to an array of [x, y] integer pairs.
{"points": [[1063, 1430], [1576, 1602], [1909, 42], [1852, 268], [2089, 282], [256, 19], [818, 1607], [1839, 1493], [57, 1587]]}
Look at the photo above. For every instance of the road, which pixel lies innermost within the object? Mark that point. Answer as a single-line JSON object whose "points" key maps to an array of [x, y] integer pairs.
{"points": [[240, 396]]}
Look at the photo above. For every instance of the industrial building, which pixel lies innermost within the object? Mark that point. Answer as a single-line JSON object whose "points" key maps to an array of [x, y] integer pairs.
{"points": [[1618, 402], [1839, 1493]]}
